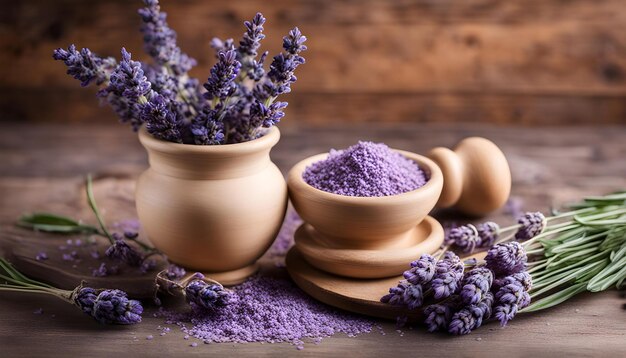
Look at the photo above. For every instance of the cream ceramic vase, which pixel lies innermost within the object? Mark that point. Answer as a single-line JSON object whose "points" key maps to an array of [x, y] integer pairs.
{"points": [[214, 209]]}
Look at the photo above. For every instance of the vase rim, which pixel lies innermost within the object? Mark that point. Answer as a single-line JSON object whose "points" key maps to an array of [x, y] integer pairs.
{"points": [[268, 140]]}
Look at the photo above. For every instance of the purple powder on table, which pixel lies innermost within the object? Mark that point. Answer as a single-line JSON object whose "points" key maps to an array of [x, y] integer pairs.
{"points": [[365, 169], [268, 310]]}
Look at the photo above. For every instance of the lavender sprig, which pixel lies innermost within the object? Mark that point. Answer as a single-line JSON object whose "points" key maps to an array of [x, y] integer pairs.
{"points": [[532, 224], [85, 66], [476, 284], [507, 258], [220, 85], [465, 237], [448, 274], [209, 296], [106, 306], [422, 270]]}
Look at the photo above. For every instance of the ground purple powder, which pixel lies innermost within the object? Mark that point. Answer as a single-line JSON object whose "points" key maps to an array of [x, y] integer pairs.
{"points": [[365, 169], [269, 310]]}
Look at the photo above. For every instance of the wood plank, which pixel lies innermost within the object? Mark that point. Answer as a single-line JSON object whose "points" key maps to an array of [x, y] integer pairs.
{"points": [[554, 47]]}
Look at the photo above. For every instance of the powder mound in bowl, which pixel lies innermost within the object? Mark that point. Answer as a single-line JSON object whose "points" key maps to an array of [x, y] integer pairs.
{"points": [[268, 310], [365, 169]]}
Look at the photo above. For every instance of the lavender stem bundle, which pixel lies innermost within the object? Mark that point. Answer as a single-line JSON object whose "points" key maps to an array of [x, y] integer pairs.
{"points": [[105, 306], [235, 104]]}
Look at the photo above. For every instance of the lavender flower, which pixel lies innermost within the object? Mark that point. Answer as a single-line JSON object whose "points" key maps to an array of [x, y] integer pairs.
{"points": [[175, 272], [264, 116], [422, 270], [507, 258], [220, 46], [206, 130], [487, 234], [161, 121], [281, 74], [147, 266], [160, 40], [532, 224], [448, 274], [85, 299], [114, 307], [128, 79], [221, 83], [437, 316], [120, 250], [251, 41], [294, 42], [396, 294], [476, 284], [471, 317], [413, 296], [85, 66], [103, 270], [512, 296], [465, 237], [256, 70], [205, 295]]}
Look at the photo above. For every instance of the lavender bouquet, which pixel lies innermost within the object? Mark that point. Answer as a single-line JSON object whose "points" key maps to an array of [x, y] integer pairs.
{"points": [[234, 105]]}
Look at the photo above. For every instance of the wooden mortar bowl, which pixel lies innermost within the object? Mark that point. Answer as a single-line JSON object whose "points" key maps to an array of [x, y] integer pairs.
{"points": [[364, 222]]}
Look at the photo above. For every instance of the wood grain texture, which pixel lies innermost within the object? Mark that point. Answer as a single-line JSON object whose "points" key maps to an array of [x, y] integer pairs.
{"points": [[497, 61], [43, 168]]}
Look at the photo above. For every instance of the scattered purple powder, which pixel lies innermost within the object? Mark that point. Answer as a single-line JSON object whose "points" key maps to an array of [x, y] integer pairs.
{"points": [[365, 169], [268, 310], [194, 344], [150, 337], [41, 256]]}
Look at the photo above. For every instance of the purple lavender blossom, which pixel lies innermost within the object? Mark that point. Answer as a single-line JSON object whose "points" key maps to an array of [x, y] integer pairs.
{"points": [[396, 294], [476, 283], [437, 317], [221, 83], [256, 70], [120, 250], [264, 116], [175, 272], [422, 270], [506, 259], [472, 316], [413, 296], [114, 307], [220, 46], [206, 130], [147, 266], [448, 274], [487, 234], [465, 237], [251, 41], [161, 121], [160, 40], [204, 295], [281, 74], [85, 66], [532, 224], [511, 296], [128, 79], [294, 42], [85, 299]]}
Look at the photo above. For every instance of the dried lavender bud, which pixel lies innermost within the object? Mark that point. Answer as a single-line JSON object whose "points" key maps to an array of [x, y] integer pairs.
{"points": [[85, 299], [506, 259], [448, 274], [263, 116], [472, 316], [221, 83], [520, 278], [487, 234], [41, 256], [147, 266], [175, 272], [476, 284], [281, 74], [509, 299], [206, 130], [465, 237], [256, 70], [438, 316], [85, 66], [128, 79], [162, 122], [205, 295], [120, 250], [422, 270], [293, 43], [101, 271], [114, 307], [505, 313], [160, 40], [413, 296], [532, 225], [396, 294], [251, 41]]}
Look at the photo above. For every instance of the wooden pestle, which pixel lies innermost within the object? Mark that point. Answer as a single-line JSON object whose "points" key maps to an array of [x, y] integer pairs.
{"points": [[476, 176]]}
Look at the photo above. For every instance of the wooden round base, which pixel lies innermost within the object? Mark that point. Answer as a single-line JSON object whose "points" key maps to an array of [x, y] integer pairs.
{"points": [[351, 294], [322, 252]]}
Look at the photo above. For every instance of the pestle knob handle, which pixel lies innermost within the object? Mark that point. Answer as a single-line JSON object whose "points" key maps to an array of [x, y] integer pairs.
{"points": [[476, 176]]}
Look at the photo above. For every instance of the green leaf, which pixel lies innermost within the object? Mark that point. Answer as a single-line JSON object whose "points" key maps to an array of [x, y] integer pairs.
{"points": [[54, 223], [556, 298]]}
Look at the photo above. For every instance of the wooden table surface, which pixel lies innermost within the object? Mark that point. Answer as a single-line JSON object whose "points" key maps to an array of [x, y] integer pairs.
{"points": [[42, 165]]}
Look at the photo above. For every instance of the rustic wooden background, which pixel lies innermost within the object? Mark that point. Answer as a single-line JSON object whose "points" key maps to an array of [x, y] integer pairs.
{"points": [[496, 61]]}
